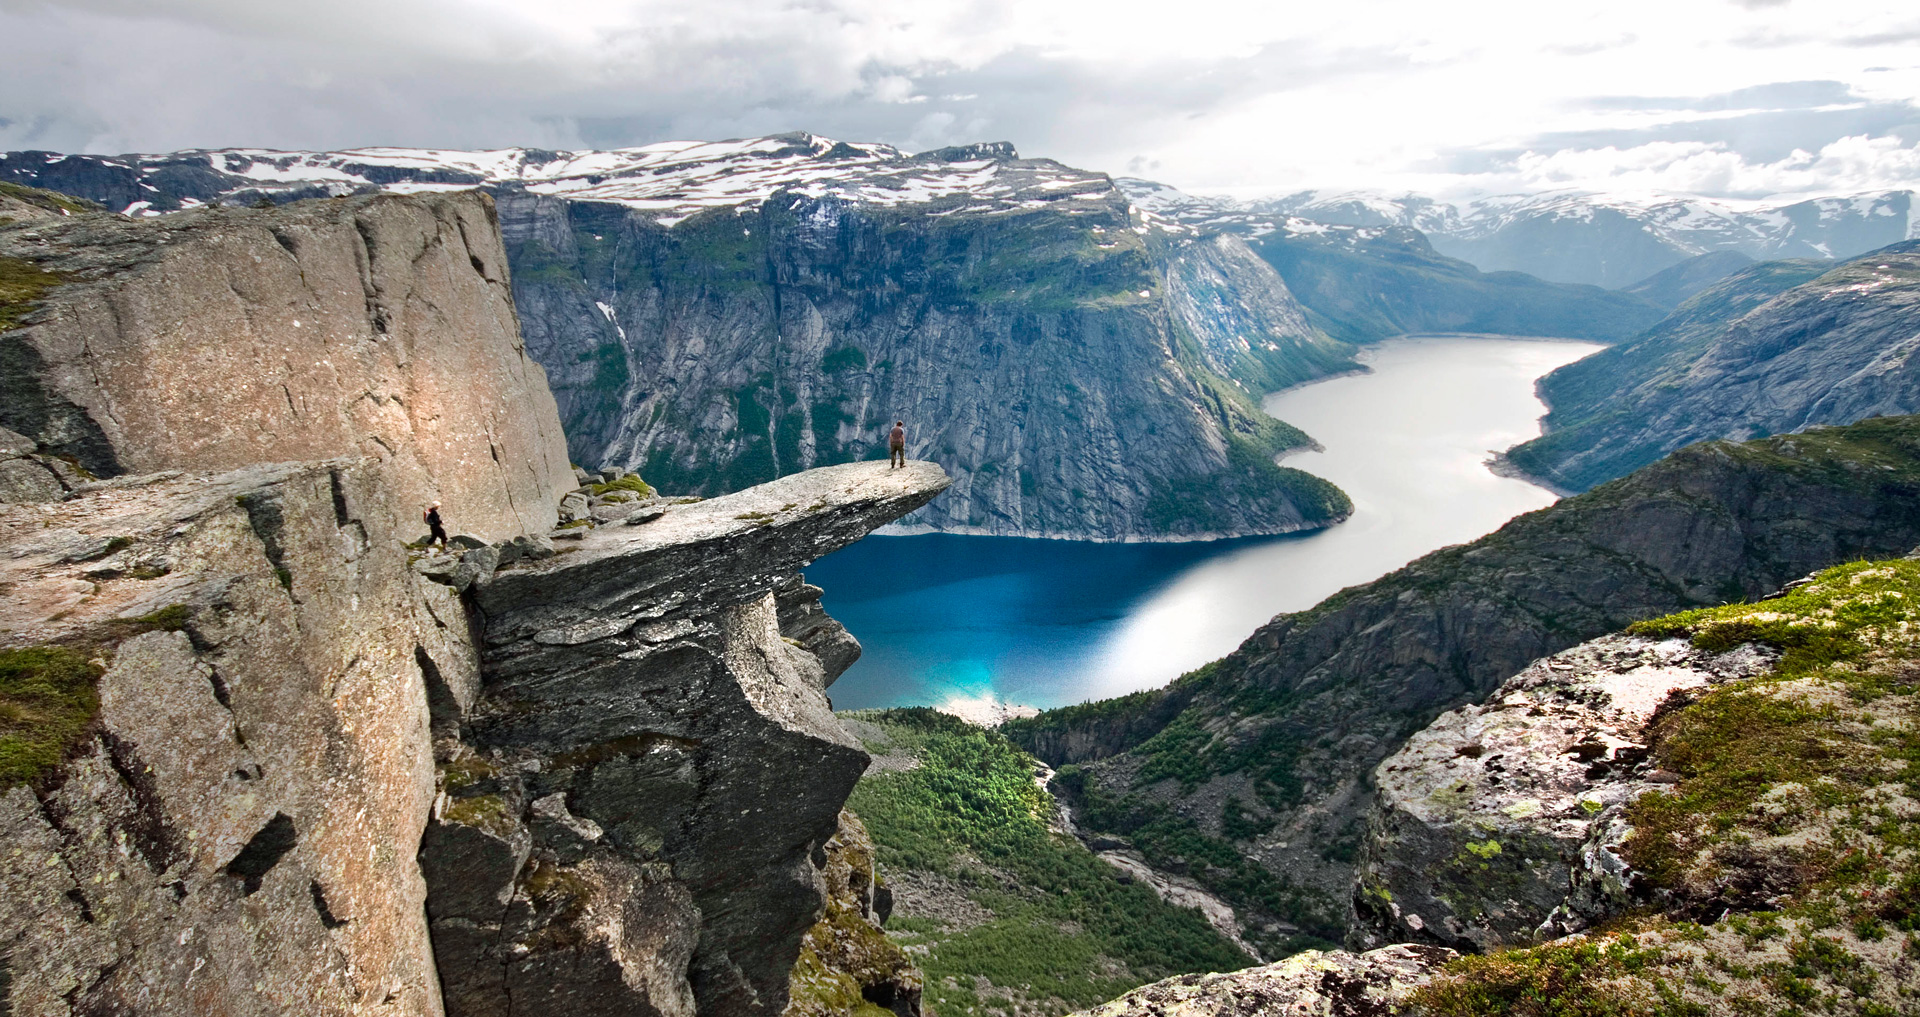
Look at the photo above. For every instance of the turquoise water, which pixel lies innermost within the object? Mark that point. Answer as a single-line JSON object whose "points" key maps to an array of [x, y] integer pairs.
{"points": [[975, 623]]}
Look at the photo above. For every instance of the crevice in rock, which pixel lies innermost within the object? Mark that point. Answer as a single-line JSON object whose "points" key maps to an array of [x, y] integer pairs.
{"points": [[327, 917], [263, 515], [340, 515], [263, 852], [225, 696], [148, 830], [80, 899], [443, 708]]}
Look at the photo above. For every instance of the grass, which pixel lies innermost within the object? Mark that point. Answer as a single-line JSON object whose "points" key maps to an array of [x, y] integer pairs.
{"points": [[1581, 978], [1064, 933], [52, 201], [48, 698], [629, 484], [1791, 834], [22, 286]]}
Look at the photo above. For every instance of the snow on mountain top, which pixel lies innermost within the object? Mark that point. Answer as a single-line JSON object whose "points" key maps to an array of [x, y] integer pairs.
{"points": [[675, 179], [1690, 225]]}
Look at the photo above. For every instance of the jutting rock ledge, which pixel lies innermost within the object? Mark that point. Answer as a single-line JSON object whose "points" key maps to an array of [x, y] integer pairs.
{"points": [[273, 762]]}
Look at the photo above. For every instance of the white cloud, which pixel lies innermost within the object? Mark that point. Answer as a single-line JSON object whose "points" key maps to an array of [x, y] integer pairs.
{"points": [[1220, 94]]}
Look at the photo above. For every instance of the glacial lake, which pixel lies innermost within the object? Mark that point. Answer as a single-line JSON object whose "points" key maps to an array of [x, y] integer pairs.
{"points": [[973, 623]]}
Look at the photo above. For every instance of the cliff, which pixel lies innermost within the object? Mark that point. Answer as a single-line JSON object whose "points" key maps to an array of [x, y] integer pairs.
{"points": [[258, 755], [225, 337], [720, 314], [1079, 374], [1773, 348], [1253, 771]]}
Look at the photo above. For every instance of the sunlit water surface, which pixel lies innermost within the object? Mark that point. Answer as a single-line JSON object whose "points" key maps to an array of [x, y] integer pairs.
{"points": [[967, 622]]}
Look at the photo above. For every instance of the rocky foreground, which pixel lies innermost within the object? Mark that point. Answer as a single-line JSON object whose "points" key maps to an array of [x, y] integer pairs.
{"points": [[262, 752], [1712, 813]]}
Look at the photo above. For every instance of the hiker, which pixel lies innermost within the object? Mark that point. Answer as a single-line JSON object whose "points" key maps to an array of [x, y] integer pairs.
{"points": [[897, 445], [435, 531]]}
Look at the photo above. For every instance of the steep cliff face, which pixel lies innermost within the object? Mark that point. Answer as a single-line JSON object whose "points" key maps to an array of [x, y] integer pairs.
{"points": [[1773, 348], [1259, 762], [228, 826], [1080, 375], [258, 756], [218, 338], [649, 767]]}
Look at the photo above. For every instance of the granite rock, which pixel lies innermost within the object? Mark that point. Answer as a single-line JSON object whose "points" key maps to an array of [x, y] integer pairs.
{"points": [[1316, 983], [222, 337], [1500, 824]]}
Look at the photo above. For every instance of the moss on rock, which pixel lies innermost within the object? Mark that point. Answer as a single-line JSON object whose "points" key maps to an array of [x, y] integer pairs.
{"points": [[48, 698]]}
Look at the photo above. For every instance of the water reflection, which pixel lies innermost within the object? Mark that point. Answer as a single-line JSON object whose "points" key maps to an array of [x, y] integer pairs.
{"points": [[1046, 623]]}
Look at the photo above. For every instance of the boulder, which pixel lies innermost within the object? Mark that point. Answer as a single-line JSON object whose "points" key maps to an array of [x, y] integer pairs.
{"points": [[1316, 983], [1501, 823]]}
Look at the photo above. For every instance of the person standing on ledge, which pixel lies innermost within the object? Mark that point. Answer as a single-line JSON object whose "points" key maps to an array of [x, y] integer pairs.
{"points": [[897, 445], [435, 529]]}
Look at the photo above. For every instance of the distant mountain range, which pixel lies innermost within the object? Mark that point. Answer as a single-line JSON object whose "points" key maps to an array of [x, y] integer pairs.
{"points": [[1568, 236]]}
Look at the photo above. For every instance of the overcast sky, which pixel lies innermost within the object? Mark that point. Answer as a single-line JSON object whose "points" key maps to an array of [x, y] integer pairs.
{"points": [[1738, 98]]}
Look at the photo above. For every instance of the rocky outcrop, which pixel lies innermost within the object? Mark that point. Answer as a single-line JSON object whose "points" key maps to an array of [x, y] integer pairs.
{"points": [[218, 338], [1267, 752], [846, 960], [1315, 983], [1501, 823], [1774, 348], [258, 755], [649, 768], [234, 831]]}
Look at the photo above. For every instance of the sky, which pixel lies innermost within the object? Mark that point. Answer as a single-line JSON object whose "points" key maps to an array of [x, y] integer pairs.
{"points": [[1724, 98]]}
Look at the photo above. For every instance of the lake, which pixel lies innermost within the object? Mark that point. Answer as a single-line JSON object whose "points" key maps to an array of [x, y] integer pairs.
{"points": [[973, 624]]}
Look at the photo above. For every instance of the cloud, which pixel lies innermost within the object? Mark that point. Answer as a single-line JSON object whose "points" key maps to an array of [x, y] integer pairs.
{"points": [[1218, 94], [1845, 165]]}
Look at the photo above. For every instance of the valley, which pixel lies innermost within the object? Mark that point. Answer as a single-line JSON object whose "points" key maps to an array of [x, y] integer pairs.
{"points": [[966, 623], [617, 749]]}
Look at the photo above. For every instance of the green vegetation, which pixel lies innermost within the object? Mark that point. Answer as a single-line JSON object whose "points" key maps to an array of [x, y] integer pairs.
{"points": [[845, 358], [1580, 978], [1791, 830], [630, 484], [52, 201], [1200, 504], [1831, 733], [1047, 923], [22, 286], [48, 699]]}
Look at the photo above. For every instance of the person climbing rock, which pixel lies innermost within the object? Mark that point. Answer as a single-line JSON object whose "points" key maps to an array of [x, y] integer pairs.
{"points": [[435, 529], [897, 445]]}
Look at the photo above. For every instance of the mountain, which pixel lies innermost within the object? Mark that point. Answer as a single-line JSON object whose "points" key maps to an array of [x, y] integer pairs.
{"points": [[1362, 283], [1579, 237], [1670, 287], [720, 314], [1251, 773], [1773, 348]]}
